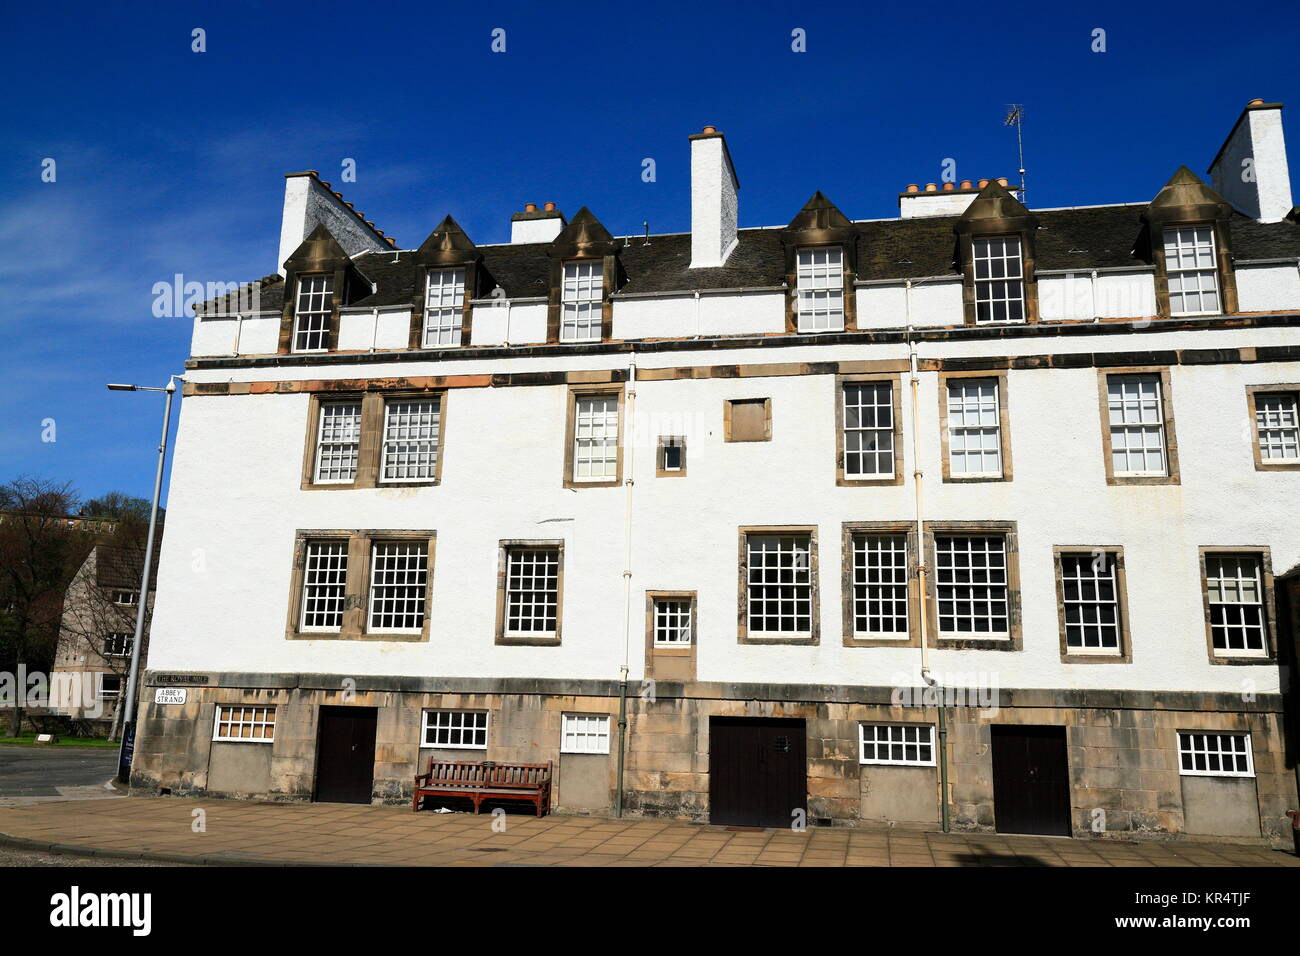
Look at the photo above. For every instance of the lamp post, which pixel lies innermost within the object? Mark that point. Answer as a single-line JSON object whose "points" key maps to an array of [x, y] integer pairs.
{"points": [[127, 749]]}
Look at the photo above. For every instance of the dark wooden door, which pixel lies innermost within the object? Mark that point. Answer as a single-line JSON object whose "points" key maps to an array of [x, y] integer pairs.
{"points": [[345, 754], [1031, 780], [758, 775]]}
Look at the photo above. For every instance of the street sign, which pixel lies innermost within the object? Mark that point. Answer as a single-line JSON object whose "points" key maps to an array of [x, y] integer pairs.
{"points": [[169, 695]]}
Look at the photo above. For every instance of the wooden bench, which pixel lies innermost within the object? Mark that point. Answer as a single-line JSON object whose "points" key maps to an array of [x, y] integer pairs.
{"points": [[485, 780]]}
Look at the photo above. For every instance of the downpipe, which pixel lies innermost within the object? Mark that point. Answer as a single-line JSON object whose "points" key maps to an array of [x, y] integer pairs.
{"points": [[628, 482]]}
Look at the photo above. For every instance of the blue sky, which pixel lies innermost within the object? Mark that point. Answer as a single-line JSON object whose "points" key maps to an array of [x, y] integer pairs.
{"points": [[171, 161]]}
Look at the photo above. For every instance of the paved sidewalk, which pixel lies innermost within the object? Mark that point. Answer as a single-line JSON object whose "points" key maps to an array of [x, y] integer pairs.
{"points": [[161, 828]]}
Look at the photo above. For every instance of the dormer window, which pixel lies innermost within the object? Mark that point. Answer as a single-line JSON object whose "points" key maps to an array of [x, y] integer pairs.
{"points": [[312, 316], [581, 301], [1190, 262], [444, 308], [820, 278], [999, 280]]}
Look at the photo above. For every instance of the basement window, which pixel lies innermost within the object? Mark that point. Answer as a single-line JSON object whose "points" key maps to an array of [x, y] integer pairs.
{"points": [[244, 724], [1214, 755], [584, 734], [904, 745], [455, 729]]}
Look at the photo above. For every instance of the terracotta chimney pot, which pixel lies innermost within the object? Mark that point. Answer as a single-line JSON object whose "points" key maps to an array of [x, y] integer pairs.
{"points": [[549, 207], [913, 187], [530, 207], [929, 187]]}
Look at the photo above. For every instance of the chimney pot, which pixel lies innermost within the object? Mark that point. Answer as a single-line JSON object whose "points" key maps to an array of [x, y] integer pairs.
{"points": [[983, 183], [965, 184], [530, 207], [1002, 180], [948, 186], [714, 129], [1256, 102], [549, 207], [930, 187], [913, 187]]}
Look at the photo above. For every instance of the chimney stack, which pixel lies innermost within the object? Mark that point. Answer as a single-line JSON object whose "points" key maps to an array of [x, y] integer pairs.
{"points": [[1250, 170], [536, 225], [308, 203], [713, 200]]}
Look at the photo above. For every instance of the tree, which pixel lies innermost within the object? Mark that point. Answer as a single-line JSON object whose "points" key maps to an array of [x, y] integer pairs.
{"points": [[118, 506]]}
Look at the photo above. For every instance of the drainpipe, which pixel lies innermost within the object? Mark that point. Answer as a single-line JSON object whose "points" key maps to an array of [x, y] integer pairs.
{"points": [[239, 327], [374, 331], [630, 460], [697, 314]]}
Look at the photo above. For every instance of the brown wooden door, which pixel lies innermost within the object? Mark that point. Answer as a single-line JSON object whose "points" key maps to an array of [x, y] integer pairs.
{"points": [[758, 775], [345, 754], [1031, 780]]}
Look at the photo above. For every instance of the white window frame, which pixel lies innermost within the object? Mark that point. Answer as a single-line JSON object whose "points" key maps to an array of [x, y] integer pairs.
{"points": [[896, 737], [313, 307], [250, 715], [444, 308], [1277, 425], [819, 282], [1003, 265], [875, 441], [1210, 746], [1234, 583], [1095, 580], [583, 733], [340, 442], [404, 592], [887, 591], [1129, 415], [1188, 249], [595, 437], [309, 552], [410, 440], [127, 642], [674, 621], [132, 598], [974, 415], [799, 543], [100, 693], [582, 293], [972, 587], [513, 609], [466, 728]]}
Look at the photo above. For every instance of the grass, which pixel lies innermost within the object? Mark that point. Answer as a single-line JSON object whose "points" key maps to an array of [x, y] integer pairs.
{"points": [[29, 740]]}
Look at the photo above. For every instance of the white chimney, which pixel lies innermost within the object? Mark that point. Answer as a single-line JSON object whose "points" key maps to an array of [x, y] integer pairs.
{"points": [[713, 200], [1250, 171], [309, 203], [950, 199], [536, 225]]}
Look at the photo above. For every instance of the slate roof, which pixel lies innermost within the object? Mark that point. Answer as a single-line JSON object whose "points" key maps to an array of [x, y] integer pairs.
{"points": [[120, 567]]}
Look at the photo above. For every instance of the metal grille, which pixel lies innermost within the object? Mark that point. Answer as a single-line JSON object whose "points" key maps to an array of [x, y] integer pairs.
{"points": [[585, 734], [1236, 597], [411, 440], [999, 280], [1137, 425], [595, 438], [337, 443], [974, 427], [896, 743], [869, 429], [1090, 598], [444, 307], [780, 584], [820, 280], [971, 585], [1278, 426], [1191, 270], [672, 622], [581, 305], [456, 729], [312, 320], [399, 577], [245, 723], [532, 591], [118, 645], [880, 585], [1215, 755], [325, 575]]}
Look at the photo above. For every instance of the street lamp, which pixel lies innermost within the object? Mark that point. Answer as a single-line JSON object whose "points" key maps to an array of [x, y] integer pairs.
{"points": [[127, 749]]}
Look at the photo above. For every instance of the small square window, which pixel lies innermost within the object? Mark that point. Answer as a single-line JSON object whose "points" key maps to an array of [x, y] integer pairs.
{"points": [[671, 460], [906, 745], [672, 622], [748, 419], [455, 729], [1214, 755], [244, 724], [584, 734]]}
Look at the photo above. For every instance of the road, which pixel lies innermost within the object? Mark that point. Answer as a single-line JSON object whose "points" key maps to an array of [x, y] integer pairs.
{"points": [[34, 775]]}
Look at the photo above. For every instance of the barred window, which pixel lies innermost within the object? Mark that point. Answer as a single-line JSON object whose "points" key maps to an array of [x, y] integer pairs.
{"points": [[411, 431], [399, 579], [325, 575], [971, 585], [880, 585], [1137, 425], [456, 729], [1191, 270], [1090, 602], [1215, 755], [118, 644], [1235, 591], [868, 429], [584, 734], [974, 427], [904, 744], [444, 307], [312, 317], [1278, 426], [532, 592], [245, 724], [820, 280], [337, 442], [595, 438], [999, 280], [672, 622], [581, 306], [780, 584]]}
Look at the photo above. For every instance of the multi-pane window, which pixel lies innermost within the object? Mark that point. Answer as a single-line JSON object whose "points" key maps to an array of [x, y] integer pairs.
{"points": [[906, 744], [125, 598], [972, 585], [999, 280], [1278, 426], [325, 575], [1137, 425], [820, 278], [880, 585], [1214, 755], [110, 686], [410, 451], [779, 584], [1090, 602], [672, 622], [532, 595], [399, 577], [1191, 270], [595, 438], [312, 317], [337, 442], [581, 306], [974, 427], [455, 729], [584, 734], [1235, 593], [240, 723], [868, 430], [444, 305], [118, 644]]}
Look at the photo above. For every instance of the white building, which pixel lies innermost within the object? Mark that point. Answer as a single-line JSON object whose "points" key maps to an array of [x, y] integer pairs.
{"points": [[438, 501]]}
